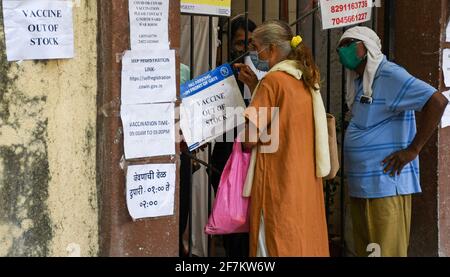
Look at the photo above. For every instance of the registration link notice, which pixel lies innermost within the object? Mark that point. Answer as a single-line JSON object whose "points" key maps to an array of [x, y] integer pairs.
{"points": [[340, 13]]}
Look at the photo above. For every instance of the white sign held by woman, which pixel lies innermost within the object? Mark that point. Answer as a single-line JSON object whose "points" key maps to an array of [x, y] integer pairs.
{"points": [[212, 105]]}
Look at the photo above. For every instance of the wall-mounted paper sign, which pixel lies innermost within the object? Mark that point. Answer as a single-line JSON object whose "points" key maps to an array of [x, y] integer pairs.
{"points": [[38, 29], [149, 130], [212, 105], [149, 24], [207, 7], [150, 190], [447, 32], [336, 14], [149, 77], [446, 66], [445, 120]]}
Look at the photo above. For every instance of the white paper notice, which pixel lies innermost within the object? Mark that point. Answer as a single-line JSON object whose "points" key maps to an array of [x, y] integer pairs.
{"points": [[340, 13], [149, 77], [446, 66], [447, 32], [445, 121], [149, 130], [211, 7], [38, 29], [259, 74], [151, 190], [149, 24], [212, 105]]}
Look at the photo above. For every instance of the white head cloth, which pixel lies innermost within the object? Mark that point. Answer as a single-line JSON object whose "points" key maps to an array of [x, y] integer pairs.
{"points": [[374, 57]]}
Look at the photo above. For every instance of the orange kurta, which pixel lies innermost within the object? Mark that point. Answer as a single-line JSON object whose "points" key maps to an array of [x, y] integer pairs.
{"points": [[285, 188]]}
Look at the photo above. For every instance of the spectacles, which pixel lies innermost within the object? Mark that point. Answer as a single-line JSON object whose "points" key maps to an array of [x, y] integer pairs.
{"points": [[347, 43]]}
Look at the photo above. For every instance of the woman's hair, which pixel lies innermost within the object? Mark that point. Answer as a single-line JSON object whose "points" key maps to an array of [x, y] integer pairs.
{"points": [[279, 34]]}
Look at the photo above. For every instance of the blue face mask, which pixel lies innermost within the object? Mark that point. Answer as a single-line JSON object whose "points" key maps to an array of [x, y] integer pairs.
{"points": [[261, 65]]}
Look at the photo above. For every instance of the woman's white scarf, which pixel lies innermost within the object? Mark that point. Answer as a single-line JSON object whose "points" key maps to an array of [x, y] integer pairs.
{"points": [[322, 152]]}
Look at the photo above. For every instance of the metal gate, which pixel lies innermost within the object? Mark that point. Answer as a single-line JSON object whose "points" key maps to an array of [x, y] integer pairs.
{"points": [[322, 43]]}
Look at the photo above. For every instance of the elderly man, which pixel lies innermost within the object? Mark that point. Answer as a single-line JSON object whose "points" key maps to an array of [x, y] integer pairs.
{"points": [[381, 143]]}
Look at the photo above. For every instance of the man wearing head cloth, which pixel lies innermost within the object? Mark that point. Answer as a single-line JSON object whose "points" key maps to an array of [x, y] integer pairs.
{"points": [[381, 143]]}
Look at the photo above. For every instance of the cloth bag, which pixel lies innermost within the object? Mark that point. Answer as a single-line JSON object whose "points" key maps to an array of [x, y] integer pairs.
{"points": [[332, 142], [230, 212]]}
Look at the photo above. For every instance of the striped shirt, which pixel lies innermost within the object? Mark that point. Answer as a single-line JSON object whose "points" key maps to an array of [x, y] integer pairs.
{"points": [[381, 128]]}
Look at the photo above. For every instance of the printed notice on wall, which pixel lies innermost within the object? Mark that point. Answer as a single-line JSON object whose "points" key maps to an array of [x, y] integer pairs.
{"points": [[445, 121], [150, 190], [340, 13], [447, 32], [212, 105], [149, 130], [38, 29], [207, 7], [149, 24], [148, 77], [446, 66]]}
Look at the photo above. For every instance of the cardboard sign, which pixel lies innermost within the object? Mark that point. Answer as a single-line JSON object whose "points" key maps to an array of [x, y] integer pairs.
{"points": [[212, 105]]}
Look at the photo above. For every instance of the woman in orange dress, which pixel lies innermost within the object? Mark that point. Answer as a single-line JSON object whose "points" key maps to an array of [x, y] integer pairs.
{"points": [[287, 200]]}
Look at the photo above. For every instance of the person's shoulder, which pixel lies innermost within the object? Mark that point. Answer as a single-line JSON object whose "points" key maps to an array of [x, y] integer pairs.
{"points": [[274, 75], [277, 77], [273, 81], [393, 70]]}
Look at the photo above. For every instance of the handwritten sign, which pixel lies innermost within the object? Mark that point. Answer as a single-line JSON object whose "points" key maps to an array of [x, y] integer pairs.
{"points": [[149, 130], [148, 77], [211, 7], [150, 190], [149, 23], [38, 29], [212, 105], [340, 13]]}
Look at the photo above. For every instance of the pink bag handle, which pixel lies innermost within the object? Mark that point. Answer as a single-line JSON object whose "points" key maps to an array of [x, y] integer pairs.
{"points": [[237, 146]]}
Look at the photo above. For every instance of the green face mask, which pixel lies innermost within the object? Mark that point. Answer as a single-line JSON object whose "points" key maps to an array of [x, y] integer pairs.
{"points": [[348, 57]]}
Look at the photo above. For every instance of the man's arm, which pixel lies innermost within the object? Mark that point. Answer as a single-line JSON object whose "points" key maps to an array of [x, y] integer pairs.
{"points": [[430, 116]]}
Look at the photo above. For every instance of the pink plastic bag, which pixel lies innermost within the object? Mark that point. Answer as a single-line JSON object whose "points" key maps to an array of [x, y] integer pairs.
{"points": [[230, 212]]}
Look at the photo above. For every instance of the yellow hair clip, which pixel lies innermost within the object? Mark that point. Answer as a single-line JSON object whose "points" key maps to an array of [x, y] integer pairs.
{"points": [[295, 42]]}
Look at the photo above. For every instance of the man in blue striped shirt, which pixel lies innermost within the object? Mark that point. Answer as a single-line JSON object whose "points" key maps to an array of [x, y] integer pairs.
{"points": [[381, 143]]}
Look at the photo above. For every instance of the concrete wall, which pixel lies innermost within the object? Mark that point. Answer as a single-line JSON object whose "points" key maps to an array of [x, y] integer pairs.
{"points": [[48, 194]]}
